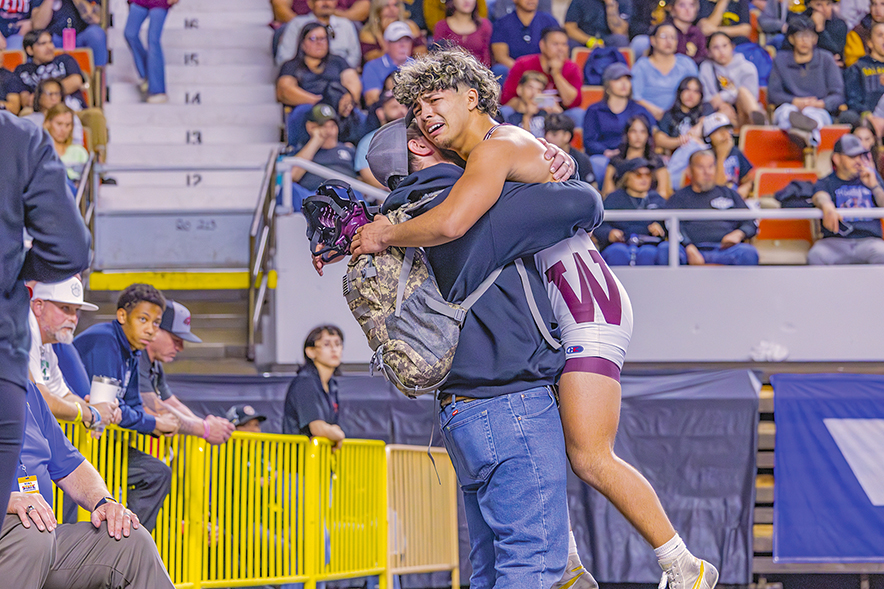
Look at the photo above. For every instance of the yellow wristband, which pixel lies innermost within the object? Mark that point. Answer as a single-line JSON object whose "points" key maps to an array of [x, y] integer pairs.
{"points": [[80, 413]]}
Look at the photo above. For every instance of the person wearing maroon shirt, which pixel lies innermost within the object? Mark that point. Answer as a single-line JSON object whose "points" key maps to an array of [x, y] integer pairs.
{"points": [[464, 27], [562, 74]]}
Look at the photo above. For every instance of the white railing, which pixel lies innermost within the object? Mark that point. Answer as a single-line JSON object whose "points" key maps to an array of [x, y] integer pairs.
{"points": [[285, 166], [673, 217]]}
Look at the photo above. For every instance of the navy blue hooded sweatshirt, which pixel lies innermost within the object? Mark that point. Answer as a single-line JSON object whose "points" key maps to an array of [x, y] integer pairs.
{"points": [[33, 197], [501, 350]]}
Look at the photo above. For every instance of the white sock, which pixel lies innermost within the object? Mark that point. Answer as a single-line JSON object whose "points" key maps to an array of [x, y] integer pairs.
{"points": [[670, 552], [572, 545]]}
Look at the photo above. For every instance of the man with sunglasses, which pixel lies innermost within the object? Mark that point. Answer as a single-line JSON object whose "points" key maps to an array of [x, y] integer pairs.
{"points": [[854, 184], [342, 37]]}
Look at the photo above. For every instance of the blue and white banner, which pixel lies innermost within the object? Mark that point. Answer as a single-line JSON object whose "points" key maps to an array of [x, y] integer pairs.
{"points": [[829, 468]]}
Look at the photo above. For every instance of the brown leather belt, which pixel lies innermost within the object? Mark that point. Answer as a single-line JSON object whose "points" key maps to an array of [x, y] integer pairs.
{"points": [[446, 401]]}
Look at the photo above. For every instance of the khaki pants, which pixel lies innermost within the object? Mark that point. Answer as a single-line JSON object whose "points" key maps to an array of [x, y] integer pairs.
{"points": [[93, 119], [78, 556]]}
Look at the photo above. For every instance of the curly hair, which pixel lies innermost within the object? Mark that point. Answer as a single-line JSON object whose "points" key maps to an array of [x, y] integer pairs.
{"points": [[448, 69]]}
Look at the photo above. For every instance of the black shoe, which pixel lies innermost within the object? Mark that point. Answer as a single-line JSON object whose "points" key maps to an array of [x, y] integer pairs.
{"points": [[801, 121]]}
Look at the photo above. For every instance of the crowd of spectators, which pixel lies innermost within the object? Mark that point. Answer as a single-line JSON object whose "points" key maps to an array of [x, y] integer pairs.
{"points": [[691, 80]]}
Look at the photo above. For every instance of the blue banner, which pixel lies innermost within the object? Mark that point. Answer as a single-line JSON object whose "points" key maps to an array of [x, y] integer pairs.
{"points": [[829, 456]]}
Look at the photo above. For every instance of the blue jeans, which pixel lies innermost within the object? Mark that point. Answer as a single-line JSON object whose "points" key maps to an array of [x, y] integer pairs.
{"points": [[621, 254], [509, 456], [149, 62], [95, 39], [742, 254]]}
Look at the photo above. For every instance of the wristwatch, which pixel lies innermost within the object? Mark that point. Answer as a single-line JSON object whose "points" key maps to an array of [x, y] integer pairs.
{"points": [[104, 500]]}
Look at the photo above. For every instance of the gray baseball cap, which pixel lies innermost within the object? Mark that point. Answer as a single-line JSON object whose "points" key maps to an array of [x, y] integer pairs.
{"points": [[388, 153]]}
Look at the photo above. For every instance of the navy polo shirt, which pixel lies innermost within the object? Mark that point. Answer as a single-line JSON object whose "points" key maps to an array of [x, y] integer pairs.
{"points": [[306, 401], [105, 351], [522, 40], [45, 453]]}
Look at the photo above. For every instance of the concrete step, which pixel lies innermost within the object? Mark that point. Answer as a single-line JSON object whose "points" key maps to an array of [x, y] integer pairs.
{"points": [[192, 116], [206, 56], [196, 155], [206, 135], [121, 7], [194, 94], [112, 199], [182, 74], [245, 37], [187, 18], [213, 179]]}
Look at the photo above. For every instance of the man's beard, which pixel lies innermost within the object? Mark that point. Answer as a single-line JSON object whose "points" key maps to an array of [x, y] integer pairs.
{"points": [[64, 336]]}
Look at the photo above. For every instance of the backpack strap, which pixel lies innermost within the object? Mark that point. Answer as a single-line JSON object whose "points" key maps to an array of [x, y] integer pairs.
{"points": [[532, 304], [407, 262]]}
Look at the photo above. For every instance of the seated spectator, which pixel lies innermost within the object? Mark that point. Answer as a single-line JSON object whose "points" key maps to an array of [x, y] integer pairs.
{"points": [[55, 312], [590, 21], [632, 243], [730, 17], [518, 34], [6, 79], [311, 404], [42, 64], [343, 42], [684, 121], [530, 106], [286, 10], [691, 40], [245, 419], [656, 77], [15, 23], [712, 242], [562, 75], [638, 143], [434, 12], [558, 129], [774, 21], [383, 14], [732, 169], [862, 80], [112, 350], [316, 76], [399, 41], [85, 18], [853, 184], [852, 11], [605, 122], [463, 27], [860, 37], [386, 110], [111, 550], [156, 395], [503, 8], [50, 92], [805, 85], [60, 125], [870, 139], [323, 148], [730, 82], [831, 30]]}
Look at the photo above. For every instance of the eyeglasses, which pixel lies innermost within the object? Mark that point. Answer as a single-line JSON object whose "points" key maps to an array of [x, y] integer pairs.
{"points": [[317, 39], [52, 94], [667, 37]]}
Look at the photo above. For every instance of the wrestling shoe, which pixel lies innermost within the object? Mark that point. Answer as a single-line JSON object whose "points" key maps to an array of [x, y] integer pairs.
{"points": [[689, 572], [575, 577]]}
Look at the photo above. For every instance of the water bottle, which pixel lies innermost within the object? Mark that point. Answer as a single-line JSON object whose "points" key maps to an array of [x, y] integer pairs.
{"points": [[632, 243], [69, 37]]}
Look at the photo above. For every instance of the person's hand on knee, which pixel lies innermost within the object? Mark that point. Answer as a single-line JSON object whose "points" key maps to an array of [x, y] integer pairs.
{"points": [[120, 521], [31, 507]]}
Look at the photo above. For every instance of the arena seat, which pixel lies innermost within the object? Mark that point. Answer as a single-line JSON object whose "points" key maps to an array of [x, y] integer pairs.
{"points": [[577, 139], [579, 55], [829, 135], [11, 59], [83, 56], [769, 147], [782, 241], [762, 97], [590, 95]]}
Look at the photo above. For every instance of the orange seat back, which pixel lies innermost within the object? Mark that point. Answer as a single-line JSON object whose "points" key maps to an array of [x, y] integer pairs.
{"points": [[590, 95], [12, 59], [767, 183], [84, 59], [769, 147], [829, 135]]}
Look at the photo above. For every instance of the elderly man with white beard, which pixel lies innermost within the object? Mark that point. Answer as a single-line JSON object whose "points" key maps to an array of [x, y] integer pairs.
{"points": [[55, 312]]}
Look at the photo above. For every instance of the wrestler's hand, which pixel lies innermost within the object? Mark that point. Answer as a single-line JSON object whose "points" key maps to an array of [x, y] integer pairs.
{"points": [[32, 506], [318, 264], [371, 238], [120, 521], [562, 166]]}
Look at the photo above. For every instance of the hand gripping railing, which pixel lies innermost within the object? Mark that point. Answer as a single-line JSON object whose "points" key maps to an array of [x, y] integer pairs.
{"points": [[674, 217]]}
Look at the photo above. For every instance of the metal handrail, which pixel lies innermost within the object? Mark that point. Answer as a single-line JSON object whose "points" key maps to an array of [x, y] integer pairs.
{"points": [[260, 248], [673, 217], [85, 177], [286, 164]]}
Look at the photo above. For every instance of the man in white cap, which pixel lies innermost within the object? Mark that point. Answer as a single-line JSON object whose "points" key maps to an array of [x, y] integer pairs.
{"points": [[155, 392], [55, 312], [400, 42]]}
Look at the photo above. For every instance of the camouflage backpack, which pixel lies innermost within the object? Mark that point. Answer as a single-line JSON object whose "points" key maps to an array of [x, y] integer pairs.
{"points": [[393, 295]]}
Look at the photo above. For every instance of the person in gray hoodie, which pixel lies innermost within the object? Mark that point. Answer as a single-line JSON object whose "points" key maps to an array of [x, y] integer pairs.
{"points": [[805, 84], [730, 82], [33, 198]]}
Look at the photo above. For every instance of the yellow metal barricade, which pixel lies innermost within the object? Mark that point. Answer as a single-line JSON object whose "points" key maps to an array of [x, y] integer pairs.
{"points": [[273, 509], [422, 513]]}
